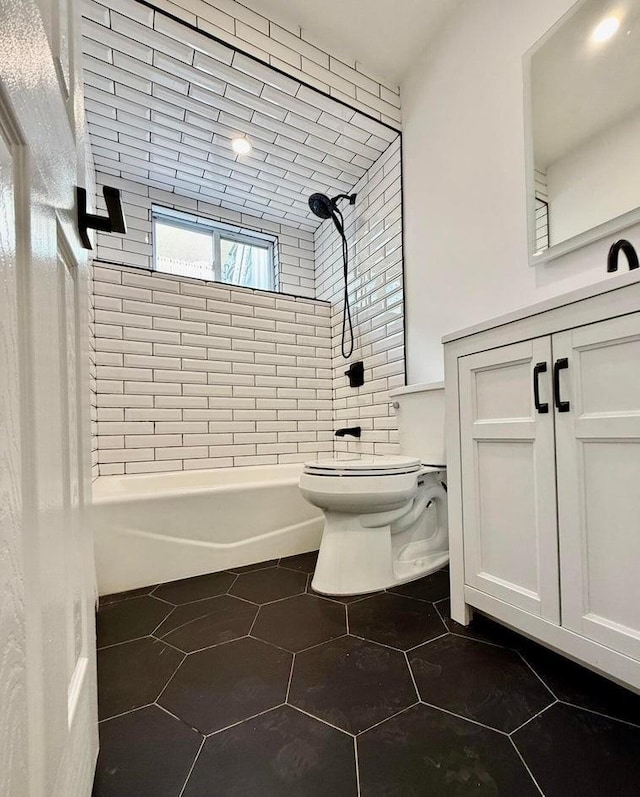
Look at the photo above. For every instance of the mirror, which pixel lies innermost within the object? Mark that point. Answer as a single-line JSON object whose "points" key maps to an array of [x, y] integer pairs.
{"points": [[582, 106]]}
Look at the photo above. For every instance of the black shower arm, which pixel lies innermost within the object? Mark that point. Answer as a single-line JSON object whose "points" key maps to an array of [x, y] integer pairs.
{"points": [[350, 197]]}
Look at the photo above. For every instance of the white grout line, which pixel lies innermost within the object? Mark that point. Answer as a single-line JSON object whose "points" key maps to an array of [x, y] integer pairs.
{"points": [[535, 716], [195, 761], [153, 633], [386, 719], [173, 675], [413, 680], [293, 661], [599, 713], [126, 641], [246, 719], [526, 766], [357, 762], [176, 717], [320, 719], [466, 719], [255, 619], [124, 713], [428, 641], [539, 677]]}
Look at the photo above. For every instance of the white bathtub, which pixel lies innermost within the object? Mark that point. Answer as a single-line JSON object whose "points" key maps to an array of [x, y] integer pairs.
{"points": [[151, 528]]}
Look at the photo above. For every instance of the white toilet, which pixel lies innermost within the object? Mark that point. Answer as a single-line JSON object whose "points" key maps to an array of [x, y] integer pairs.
{"points": [[385, 516]]}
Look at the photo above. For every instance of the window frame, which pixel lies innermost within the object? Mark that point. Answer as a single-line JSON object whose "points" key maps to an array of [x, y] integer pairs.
{"points": [[218, 231]]}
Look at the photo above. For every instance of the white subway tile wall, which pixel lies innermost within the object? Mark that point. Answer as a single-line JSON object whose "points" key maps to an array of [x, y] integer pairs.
{"points": [[191, 374], [294, 253], [290, 50], [374, 230], [164, 102]]}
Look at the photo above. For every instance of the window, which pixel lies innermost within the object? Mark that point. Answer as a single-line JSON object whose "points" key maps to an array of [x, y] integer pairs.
{"points": [[203, 249]]}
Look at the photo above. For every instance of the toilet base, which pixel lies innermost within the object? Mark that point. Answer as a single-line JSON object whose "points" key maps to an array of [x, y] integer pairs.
{"points": [[358, 556], [409, 571]]}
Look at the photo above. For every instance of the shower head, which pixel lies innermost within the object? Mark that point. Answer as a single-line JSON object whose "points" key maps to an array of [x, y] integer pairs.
{"points": [[321, 206], [325, 208]]}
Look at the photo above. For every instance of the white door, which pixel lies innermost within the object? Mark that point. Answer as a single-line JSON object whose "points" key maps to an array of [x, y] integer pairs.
{"points": [[508, 476], [598, 450], [48, 718]]}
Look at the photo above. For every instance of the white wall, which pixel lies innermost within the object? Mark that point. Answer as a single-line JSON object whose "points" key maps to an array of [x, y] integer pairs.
{"points": [[596, 182], [464, 179]]}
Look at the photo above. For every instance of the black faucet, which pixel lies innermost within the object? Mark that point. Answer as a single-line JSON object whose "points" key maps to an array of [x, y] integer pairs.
{"points": [[354, 431], [627, 248]]}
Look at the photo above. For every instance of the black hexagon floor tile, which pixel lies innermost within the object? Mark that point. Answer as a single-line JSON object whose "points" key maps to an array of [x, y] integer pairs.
{"points": [[424, 751], [351, 684], [575, 684], [228, 683], [264, 586], [481, 628], [280, 754], [482, 682], [395, 620], [575, 753], [302, 562], [129, 619], [202, 624], [144, 752], [133, 674], [299, 622], [194, 589], [430, 588]]}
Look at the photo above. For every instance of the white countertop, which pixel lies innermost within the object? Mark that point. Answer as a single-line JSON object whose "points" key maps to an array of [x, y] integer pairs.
{"points": [[603, 286]]}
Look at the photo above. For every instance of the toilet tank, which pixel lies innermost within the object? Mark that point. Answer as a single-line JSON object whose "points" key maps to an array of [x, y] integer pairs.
{"points": [[420, 412]]}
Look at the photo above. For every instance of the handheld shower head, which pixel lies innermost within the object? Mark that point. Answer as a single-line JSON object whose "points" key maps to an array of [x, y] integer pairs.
{"points": [[321, 206], [325, 208]]}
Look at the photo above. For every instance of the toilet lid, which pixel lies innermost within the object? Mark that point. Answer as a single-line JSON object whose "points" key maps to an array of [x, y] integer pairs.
{"points": [[363, 466]]}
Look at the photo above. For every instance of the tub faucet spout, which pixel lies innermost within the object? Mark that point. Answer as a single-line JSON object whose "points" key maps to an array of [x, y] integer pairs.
{"points": [[354, 431]]}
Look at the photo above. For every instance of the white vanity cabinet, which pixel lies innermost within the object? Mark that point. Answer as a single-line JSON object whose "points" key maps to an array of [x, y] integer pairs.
{"points": [[543, 458]]}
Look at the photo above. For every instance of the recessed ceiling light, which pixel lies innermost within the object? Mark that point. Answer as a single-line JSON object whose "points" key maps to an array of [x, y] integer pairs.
{"points": [[241, 145], [605, 30]]}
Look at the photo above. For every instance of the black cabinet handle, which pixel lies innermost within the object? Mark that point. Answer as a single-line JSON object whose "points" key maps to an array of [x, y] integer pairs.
{"points": [[539, 368], [560, 365]]}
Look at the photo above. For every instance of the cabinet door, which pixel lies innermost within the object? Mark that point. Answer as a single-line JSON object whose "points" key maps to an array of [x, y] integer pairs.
{"points": [[598, 460], [508, 477]]}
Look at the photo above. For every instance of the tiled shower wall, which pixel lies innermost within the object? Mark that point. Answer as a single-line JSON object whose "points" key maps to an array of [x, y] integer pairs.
{"points": [[292, 51], [374, 231], [198, 375], [295, 266]]}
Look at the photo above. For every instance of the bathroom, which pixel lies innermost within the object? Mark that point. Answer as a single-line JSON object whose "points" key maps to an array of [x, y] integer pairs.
{"points": [[320, 330]]}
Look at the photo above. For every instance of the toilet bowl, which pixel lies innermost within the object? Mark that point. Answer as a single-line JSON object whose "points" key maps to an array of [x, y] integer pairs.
{"points": [[385, 516]]}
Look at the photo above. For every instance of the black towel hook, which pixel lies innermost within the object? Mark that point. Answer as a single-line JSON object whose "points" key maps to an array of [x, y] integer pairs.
{"points": [[113, 222], [626, 247]]}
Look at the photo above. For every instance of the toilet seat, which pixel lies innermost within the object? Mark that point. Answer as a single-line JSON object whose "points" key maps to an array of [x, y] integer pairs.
{"points": [[363, 466]]}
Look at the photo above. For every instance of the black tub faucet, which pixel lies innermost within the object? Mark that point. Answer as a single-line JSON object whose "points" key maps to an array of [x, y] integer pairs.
{"points": [[354, 431], [626, 247]]}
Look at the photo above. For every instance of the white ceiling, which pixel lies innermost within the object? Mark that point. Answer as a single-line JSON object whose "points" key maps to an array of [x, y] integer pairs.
{"points": [[387, 37], [579, 88], [164, 101]]}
